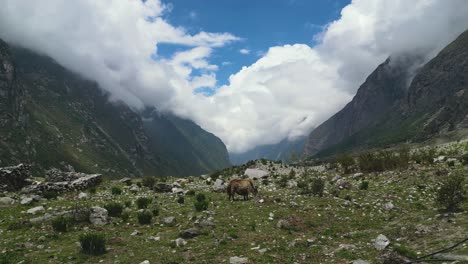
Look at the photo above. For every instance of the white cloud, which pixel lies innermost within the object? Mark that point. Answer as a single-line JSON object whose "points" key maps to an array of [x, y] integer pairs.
{"points": [[287, 92], [244, 51]]}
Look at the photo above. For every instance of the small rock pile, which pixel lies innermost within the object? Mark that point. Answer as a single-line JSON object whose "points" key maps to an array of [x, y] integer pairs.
{"points": [[14, 178]]}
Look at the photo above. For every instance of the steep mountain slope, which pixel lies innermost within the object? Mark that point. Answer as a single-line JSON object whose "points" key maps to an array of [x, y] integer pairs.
{"points": [[52, 117], [435, 105], [285, 151], [379, 93]]}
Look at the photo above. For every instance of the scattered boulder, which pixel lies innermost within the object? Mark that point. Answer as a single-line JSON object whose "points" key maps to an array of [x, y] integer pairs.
{"points": [[180, 242], [391, 257], [290, 223], [145, 262], [190, 233], [343, 184], [56, 175], [27, 200], [36, 210], [218, 186], [125, 180], [360, 261], [98, 216], [388, 206], [381, 242], [177, 190], [256, 173], [83, 195], [169, 221], [14, 178], [238, 260], [134, 188], [83, 182], [162, 187], [6, 201], [206, 223]]}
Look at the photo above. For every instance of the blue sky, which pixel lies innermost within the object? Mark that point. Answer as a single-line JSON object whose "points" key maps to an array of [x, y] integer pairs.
{"points": [[260, 23]]}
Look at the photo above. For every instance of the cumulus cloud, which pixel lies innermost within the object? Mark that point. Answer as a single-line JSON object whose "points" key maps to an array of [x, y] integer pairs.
{"points": [[244, 51], [286, 93]]}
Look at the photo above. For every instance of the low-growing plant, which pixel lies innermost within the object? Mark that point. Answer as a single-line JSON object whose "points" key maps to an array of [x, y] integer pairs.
{"points": [[149, 181], [317, 186], [144, 218], [114, 209], [19, 225], [139, 184], [190, 193], [364, 185], [116, 190], [92, 243], [61, 223], [49, 195], [201, 204], [92, 190], [283, 181], [128, 204], [181, 200], [143, 202], [347, 162], [452, 193], [125, 216], [406, 252], [155, 211]]}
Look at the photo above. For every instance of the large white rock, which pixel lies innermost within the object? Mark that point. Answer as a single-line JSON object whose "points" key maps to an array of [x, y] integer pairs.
{"points": [[98, 216], [381, 242], [82, 195], [7, 201], [255, 173], [36, 210], [238, 260]]}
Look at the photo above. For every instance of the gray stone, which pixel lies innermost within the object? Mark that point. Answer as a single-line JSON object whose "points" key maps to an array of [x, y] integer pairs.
{"points": [[145, 262], [342, 184], [14, 178], [191, 233], [98, 216], [169, 221], [83, 195], [381, 242], [238, 260], [219, 186], [125, 180], [6, 201], [180, 242], [360, 261], [162, 187], [134, 188], [388, 206], [27, 201], [206, 223], [256, 173], [41, 219], [36, 210], [177, 190]]}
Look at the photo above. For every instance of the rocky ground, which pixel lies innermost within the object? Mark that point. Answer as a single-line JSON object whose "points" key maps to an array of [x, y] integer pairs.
{"points": [[394, 219]]}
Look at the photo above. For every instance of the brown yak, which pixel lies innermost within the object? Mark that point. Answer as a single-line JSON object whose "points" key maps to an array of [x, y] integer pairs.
{"points": [[242, 187]]}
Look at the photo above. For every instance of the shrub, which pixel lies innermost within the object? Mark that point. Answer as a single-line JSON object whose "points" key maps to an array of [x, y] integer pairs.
{"points": [[180, 200], [364, 185], [451, 163], [190, 193], [92, 190], [283, 181], [144, 218], [149, 181], [406, 252], [451, 194], [49, 195], [139, 184], [92, 243], [317, 186], [128, 204], [128, 183], [19, 225], [155, 211], [347, 162], [125, 216], [114, 209], [464, 159], [61, 223], [143, 202], [116, 190], [201, 204], [292, 174]]}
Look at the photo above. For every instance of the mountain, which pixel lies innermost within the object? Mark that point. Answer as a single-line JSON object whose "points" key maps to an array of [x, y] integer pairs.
{"points": [[386, 111], [285, 150], [51, 117]]}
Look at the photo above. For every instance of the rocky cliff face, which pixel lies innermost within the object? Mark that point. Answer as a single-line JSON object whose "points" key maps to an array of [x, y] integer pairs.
{"points": [[50, 117], [385, 112]]}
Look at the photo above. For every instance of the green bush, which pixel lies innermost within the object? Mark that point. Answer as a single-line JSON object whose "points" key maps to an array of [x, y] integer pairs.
{"points": [[93, 243], [143, 202], [364, 185], [201, 204], [128, 204], [384, 160], [317, 186], [92, 190], [452, 193], [149, 181], [347, 162], [49, 195], [155, 211], [125, 216], [181, 200], [190, 193], [61, 223], [144, 218], [406, 252], [114, 209], [116, 190], [464, 159], [283, 181]]}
